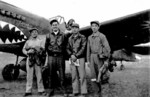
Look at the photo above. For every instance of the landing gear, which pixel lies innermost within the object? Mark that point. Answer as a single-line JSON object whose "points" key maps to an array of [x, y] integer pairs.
{"points": [[11, 71]]}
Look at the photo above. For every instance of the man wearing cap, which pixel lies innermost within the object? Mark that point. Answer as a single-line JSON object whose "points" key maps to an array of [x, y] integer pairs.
{"points": [[55, 47], [98, 51], [32, 48], [76, 50]]}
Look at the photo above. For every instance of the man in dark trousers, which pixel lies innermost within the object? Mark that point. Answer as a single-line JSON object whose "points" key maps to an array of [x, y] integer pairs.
{"points": [[55, 47], [76, 50], [98, 51]]}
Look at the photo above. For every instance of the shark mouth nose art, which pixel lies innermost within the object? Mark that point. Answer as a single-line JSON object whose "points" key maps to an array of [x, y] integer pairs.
{"points": [[10, 34]]}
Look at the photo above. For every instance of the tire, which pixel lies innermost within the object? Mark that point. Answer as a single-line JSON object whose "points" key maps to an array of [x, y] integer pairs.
{"points": [[10, 72], [16, 72]]}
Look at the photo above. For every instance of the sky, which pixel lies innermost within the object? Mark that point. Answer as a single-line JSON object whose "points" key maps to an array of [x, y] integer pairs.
{"points": [[82, 11]]}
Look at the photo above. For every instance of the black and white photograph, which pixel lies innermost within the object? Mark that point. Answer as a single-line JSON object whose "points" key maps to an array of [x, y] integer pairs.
{"points": [[74, 48]]}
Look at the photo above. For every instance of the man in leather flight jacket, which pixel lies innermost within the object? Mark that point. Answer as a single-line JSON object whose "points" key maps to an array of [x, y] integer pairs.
{"points": [[76, 50], [55, 47]]}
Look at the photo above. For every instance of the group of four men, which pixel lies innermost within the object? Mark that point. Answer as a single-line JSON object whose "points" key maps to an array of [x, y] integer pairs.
{"points": [[77, 46]]}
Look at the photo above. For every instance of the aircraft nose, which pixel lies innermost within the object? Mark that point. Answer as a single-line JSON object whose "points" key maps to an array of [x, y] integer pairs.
{"points": [[10, 34]]}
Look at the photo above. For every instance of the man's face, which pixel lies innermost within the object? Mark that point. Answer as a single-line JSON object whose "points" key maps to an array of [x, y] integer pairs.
{"points": [[75, 30], [94, 27], [55, 26], [34, 33]]}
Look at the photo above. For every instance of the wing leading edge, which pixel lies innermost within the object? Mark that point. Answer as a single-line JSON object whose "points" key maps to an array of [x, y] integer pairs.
{"points": [[125, 32]]}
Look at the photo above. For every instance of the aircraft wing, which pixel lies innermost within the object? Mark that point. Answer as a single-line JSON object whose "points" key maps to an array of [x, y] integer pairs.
{"points": [[125, 32]]}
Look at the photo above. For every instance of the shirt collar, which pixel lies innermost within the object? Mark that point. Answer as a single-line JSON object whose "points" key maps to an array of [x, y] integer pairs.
{"points": [[96, 34], [35, 38], [76, 35], [57, 33]]}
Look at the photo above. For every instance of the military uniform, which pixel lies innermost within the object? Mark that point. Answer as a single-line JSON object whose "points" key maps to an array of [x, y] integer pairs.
{"points": [[76, 46], [55, 47], [32, 65], [97, 49]]}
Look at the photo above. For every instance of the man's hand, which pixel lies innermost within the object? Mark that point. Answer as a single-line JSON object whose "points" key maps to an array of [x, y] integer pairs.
{"points": [[88, 64], [30, 51], [106, 63], [38, 48], [73, 58], [45, 66]]}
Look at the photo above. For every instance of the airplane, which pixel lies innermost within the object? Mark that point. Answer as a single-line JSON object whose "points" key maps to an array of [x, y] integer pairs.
{"points": [[122, 33]]}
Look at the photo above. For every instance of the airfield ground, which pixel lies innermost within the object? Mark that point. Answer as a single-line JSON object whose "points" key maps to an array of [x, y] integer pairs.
{"points": [[134, 81]]}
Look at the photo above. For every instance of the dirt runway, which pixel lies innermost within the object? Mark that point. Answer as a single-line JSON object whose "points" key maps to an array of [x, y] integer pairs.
{"points": [[134, 81]]}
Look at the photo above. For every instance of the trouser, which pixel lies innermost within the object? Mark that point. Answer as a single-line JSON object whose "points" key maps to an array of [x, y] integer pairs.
{"points": [[56, 63], [79, 75], [30, 73], [95, 64]]}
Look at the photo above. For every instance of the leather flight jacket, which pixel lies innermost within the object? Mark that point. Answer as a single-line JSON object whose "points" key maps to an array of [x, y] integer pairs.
{"points": [[55, 44]]}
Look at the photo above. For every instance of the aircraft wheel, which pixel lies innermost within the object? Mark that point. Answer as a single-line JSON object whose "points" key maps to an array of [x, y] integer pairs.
{"points": [[16, 72], [10, 72]]}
